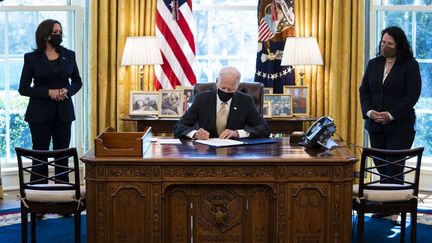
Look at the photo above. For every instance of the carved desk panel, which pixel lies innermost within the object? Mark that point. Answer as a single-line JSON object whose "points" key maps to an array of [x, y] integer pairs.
{"points": [[259, 193]]}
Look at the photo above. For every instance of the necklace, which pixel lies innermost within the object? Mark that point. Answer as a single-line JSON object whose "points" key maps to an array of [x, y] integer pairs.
{"points": [[388, 65]]}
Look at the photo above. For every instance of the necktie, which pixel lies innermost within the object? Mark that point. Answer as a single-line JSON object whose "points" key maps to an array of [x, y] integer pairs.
{"points": [[221, 118]]}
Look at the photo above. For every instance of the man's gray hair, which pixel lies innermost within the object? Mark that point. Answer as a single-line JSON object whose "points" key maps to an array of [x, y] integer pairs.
{"points": [[230, 71]]}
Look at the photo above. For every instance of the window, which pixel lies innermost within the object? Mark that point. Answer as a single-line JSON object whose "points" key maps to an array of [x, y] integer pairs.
{"points": [[225, 34], [17, 29], [415, 18]]}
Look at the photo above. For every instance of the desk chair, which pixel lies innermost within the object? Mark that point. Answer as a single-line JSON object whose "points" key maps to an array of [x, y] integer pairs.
{"points": [[376, 197], [256, 90], [56, 196]]}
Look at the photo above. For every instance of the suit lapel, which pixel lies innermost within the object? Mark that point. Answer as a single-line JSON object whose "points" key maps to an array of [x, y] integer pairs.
{"points": [[233, 109], [45, 63], [395, 68], [62, 57], [380, 71], [211, 107]]}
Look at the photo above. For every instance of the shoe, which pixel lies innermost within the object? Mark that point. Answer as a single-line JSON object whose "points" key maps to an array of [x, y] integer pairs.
{"points": [[380, 215], [396, 222], [395, 219]]}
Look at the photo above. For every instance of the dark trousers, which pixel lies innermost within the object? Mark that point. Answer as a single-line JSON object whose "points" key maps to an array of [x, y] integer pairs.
{"points": [[391, 141], [60, 133]]}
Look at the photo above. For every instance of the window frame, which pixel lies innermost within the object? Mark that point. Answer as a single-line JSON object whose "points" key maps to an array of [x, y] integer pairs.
{"points": [[210, 57]]}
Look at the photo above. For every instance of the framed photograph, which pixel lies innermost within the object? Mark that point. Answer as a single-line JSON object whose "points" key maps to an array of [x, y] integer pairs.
{"points": [[267, 109], [281, 105], [299, 99], [143, 103], [171, 103], [268, 91], [187, 96]]}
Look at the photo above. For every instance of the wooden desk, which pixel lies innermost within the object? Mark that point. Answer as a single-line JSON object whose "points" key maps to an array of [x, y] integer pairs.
{"points": [[259, 193], [165, 125]]}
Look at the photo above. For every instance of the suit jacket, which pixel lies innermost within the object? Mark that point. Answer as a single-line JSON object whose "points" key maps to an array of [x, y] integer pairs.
{"points": [[41, 108], [242, 115], [397, 95]]}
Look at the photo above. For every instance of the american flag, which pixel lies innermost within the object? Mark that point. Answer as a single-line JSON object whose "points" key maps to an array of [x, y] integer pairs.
{"points": [[274, 27], [174, 22], [266, 28]]}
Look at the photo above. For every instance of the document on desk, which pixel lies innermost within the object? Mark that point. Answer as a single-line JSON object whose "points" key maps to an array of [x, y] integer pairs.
{"points": [[169, 141], [217, 142]]}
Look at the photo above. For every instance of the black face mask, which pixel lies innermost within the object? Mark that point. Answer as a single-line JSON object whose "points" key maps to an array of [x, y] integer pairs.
{"points": [[224, 96], [55, 40], [388, 51]]}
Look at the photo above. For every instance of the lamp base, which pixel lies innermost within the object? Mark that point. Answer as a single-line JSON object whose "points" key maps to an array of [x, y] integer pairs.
{"points": [[141, 77], [301, 78]]}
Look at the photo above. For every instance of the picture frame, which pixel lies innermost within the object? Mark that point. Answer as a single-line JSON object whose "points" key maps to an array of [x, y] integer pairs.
{"points": [[268, 91], [299, 96], [144, 103], [187, 96], [281, 105], [267, 111], [170, 103]]}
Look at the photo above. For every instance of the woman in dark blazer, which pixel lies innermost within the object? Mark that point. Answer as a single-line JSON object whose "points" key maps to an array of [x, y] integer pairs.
{"points": [[50, 77], [390, 88]]}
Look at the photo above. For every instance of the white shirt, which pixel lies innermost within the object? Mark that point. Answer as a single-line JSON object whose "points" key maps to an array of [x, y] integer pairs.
{"points": [[242, 133]]}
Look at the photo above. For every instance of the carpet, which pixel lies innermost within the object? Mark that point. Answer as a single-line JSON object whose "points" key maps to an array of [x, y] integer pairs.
{"points": [[382, 230], [52, 228], [61, 229]]}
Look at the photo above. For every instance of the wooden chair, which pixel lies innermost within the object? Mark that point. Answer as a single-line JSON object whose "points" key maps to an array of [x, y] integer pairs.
{"points": [[256, 90], [376, 196], [53, 195]]}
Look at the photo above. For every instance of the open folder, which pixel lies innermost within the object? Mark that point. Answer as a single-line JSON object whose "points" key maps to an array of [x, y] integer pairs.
{"points": [[217, 142]]}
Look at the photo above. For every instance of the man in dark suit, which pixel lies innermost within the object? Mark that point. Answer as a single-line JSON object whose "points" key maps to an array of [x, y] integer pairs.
{"points": [[223, 113]]}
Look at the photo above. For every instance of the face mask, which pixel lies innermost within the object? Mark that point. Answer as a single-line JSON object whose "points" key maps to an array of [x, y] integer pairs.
{"points": [[55, 40], [224, 96], [388, 51]]}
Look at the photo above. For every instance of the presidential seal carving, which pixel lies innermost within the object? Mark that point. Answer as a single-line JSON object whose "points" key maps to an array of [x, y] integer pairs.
{"points": [[220, 210]]}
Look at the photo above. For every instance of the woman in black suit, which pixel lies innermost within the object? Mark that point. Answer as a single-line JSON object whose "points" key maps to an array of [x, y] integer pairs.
{"points": [[390, 88], [50, 77]]}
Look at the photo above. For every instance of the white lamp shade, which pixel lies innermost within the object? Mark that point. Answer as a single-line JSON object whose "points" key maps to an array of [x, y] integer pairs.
{"points": [[301, 51], [142, 50]]}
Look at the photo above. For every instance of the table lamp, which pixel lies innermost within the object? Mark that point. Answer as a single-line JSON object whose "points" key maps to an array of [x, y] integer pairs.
{"points": [[142, 50], [300, 51]]}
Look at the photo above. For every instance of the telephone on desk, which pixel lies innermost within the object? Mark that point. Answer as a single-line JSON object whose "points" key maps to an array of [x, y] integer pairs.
{"points": [[320, 134]]}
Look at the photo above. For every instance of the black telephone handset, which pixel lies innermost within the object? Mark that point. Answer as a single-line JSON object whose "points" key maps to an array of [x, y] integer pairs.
{"points": [[319, 133]]}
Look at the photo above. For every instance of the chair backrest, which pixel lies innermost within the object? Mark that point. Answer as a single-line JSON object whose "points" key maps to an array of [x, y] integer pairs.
{"points": [[256, 90], [50, 159], [407, 179]]}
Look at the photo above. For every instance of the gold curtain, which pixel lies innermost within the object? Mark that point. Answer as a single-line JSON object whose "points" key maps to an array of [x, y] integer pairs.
{"points": [[339, 28], [110, 23]]}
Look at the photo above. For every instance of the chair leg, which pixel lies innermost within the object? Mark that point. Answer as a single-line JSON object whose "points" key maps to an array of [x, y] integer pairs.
{"points": [[414, 226], [403, 227], [77, 224], [33, 227], [24, 226], [360, 226]]}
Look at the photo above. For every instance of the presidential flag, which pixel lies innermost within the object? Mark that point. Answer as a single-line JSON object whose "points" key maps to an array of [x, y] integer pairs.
{"points": [[174, 22], [275, 24]]}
